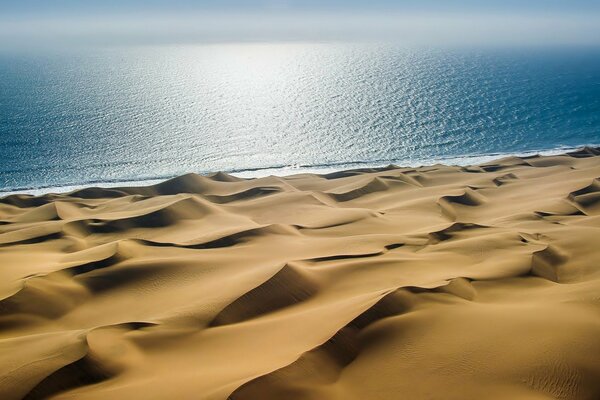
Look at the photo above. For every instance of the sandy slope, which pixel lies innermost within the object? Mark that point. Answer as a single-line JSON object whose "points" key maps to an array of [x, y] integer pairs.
{"points": [[429, 283]]}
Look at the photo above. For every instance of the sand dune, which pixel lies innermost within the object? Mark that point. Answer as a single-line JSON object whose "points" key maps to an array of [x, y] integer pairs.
{"points": [[438, 282]]}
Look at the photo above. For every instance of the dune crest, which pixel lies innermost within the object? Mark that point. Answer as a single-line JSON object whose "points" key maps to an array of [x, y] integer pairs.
{"points": [[436, 282]]}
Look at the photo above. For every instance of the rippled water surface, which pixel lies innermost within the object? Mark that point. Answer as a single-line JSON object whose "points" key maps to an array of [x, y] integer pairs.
{"points": [[69, 118]]}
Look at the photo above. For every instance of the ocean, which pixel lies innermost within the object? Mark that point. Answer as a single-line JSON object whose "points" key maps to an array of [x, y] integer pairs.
{"points": [[133, 115]]}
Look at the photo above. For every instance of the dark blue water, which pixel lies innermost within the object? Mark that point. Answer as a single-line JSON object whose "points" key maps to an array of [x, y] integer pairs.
{"points": [[123, 114]]}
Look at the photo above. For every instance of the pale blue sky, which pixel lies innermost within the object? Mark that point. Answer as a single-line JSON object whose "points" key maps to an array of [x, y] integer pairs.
{"points": [[43, 22], [82, 6]]}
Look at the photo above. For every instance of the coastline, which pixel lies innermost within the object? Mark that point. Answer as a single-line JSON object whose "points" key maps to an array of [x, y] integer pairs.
{"points": [[284, 170]]}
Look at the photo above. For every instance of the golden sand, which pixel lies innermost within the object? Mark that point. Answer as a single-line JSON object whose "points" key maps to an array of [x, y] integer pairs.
{"points": [[436, 282]]}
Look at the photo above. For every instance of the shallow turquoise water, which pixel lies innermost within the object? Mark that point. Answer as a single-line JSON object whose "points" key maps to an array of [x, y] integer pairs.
{"points": [[122, 114]]}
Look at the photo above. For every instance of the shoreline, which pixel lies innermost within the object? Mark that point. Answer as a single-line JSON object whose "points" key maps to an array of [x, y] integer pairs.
{"points": [[466, 160]]}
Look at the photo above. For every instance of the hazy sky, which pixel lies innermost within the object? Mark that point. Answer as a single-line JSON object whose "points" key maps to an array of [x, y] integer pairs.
{"points": [[70, 6], [69, 22]]}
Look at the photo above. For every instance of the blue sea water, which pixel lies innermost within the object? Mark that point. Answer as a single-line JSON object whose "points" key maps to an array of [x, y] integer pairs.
{"points": [[107, 115]]}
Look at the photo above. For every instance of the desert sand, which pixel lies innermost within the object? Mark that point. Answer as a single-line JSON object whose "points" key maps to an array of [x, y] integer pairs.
{"points": [[437, 282]]}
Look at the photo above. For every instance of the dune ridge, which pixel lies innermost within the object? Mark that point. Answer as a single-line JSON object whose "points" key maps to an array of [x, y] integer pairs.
{"points": [[438, 282]]}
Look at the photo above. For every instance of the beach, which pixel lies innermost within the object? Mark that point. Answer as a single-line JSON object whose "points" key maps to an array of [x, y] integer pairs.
{"points": [[433, 282]]}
